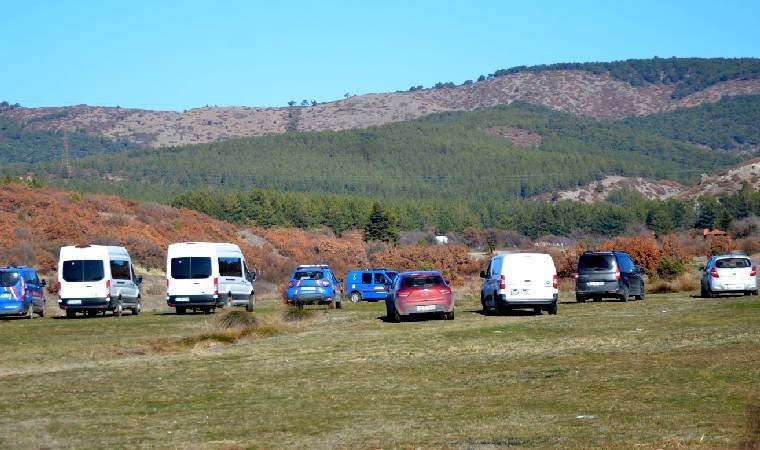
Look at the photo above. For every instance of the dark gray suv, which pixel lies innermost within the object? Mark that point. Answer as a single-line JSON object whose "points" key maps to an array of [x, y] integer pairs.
{"points": [[608, 274]]}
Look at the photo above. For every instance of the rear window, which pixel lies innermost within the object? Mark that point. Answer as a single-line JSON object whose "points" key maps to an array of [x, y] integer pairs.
{"points": [[8, 279], [120, 270], [309, 275], [422, 281], [732, 263], [190, 268], [230, 267], [83, 270], [595, 262]]}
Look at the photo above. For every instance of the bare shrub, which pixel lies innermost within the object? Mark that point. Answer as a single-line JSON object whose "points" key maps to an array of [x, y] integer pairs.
{"points": [[235, 318]]}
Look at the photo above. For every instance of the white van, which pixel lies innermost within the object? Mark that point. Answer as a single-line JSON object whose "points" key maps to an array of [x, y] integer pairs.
{"points": [[207, 275], [520, 280], [97, 278]]}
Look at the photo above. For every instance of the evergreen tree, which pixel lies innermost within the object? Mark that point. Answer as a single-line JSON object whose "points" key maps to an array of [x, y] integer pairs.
{"points": [[381, 226]]}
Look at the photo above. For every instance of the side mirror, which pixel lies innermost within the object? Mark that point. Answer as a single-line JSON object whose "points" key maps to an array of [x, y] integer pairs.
{"points": [[252, 275], [43, 283], [483, 274], [701, 268], [139, 279]]}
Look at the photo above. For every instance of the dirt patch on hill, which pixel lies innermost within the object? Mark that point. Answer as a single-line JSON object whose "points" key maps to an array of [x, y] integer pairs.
{"points": [[517, 136]]}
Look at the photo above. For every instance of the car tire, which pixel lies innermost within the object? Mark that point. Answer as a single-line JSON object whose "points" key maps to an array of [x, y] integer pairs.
{"points": [[118, 310], [228, 302], [702, 291], [356, 297], [180, 310], [70, 314], [580, 298], [339, 305], [30, 311], [537, 311], [91, 313], [449, 315], [138, 307], [249, 305], [642, 293], [624, 295], [552, 309], [41, 313]]}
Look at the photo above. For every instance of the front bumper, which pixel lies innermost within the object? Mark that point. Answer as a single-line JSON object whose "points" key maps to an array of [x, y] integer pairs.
{"points": [[13, 308]]}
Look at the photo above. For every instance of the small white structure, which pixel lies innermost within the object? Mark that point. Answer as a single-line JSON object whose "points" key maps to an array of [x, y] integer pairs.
{"points": [[441, 240]]}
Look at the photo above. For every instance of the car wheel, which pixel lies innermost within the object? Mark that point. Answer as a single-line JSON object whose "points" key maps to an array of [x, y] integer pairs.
{"points": [[91, 313], [392, 314], [138, 307], [642, 293], [449, 315], [228, 302], [338, 304], [118, 310], [703, 291], [41, 313], [70, 314], [624, 294], [249, 305], [356, 297], [30, 311], [580, 298], [180, 310], [552, 309], [754, 292], [537, 311]]}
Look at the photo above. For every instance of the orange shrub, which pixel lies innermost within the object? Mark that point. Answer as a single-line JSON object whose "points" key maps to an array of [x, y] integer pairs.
{"points": [[643, 250], [454, 262]]}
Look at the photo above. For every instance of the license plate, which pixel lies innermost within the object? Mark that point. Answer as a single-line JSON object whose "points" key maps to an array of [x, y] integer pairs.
{"points": [[75, 302], [308, 288], [5, 295], [520, 292], [10, 307], [596, 283], [422, 308], [182, 299]]}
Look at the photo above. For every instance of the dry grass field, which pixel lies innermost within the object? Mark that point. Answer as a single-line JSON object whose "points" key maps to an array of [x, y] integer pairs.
{"points": [[672, 371]]}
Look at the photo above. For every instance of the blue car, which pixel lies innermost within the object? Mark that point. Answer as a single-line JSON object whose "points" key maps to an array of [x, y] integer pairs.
{"points": [[369, 284], [21, 292], [314, 284]]}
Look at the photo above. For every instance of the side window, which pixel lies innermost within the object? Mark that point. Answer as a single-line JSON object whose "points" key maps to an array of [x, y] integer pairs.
{"points": [[626, 263], [380, 278], [31, 278], [120, 269], [496, 264], [366, 278], [230, 267]]}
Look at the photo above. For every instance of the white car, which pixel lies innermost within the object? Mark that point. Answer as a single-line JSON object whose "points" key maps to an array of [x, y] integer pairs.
{"points": [[729, 274], [520, 280]]}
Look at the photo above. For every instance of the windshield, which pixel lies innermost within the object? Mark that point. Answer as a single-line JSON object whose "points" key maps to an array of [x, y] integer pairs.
{"points": [[190, 268], [83, 270], [422, 281], [8, 279], [595, 262]]}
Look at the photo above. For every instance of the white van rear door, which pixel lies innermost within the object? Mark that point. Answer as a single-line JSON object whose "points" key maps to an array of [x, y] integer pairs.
{"points": [[190, 275], [529, 277], [83, 278]]}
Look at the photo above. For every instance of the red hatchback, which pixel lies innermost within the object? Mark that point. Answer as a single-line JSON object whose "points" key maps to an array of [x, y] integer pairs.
{"points": [[419, 293]]}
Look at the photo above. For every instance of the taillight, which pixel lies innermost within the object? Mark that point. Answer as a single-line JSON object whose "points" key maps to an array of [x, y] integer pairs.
{"points": [[216, 286], [445, 290], [325, 283], [714, 273], [503, 282], [753, 272], [575, 275], [555, 282], [108, 288], [291, 283], [403, 293], [617, 274]]}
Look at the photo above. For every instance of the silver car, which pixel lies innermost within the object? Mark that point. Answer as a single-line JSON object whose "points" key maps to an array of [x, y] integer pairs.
{"points": [[729, 274]]}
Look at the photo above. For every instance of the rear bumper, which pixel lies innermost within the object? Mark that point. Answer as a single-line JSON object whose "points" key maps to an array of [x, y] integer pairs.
{"points": [[607, 288], [79, 304], [506, 301], [309, 298], [13, 308], [718, 286], [408, 308], [190, 301]]}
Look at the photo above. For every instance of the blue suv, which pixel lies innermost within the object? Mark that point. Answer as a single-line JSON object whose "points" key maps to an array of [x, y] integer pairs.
{"points": [[21, 292], [314, 284], [369, 284]]}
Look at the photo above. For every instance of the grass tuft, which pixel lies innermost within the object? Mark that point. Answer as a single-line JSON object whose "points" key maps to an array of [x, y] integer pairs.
{"points": [[235, 318], [294, 314]]}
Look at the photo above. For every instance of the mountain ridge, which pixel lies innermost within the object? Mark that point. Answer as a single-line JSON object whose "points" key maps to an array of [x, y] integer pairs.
{"points": [[579, 92]]}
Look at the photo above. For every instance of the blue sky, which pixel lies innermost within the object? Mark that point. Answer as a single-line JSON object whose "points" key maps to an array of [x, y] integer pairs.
{"points": [[181, 54]]}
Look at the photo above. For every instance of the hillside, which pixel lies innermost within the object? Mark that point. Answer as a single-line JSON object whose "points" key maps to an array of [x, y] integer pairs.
{"points": [[609, 92], [453, 156]]}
